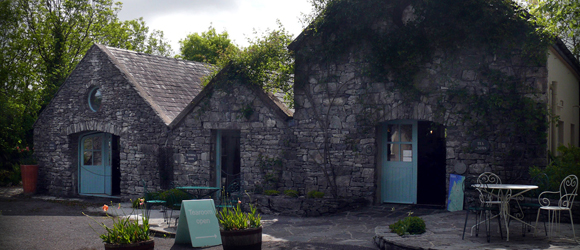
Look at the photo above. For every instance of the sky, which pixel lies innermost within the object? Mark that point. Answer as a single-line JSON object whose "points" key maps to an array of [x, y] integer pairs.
{"points": [[178, 18]]}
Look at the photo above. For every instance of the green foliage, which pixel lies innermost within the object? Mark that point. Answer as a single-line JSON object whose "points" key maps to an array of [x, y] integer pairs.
{"points": [[137, 203], [134, 35], [565, 163], [174, 197], [408, 225], [441, 25], [208, 47], [271, 168], [247, 111], [291, 193], [315, 194], [10, 177], [41, 42], [234, 219], [266, 63], [124, 230], [271, 192], [560, 18]]}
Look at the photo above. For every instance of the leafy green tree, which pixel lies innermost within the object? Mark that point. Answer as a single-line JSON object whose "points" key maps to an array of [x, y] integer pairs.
{"points": [[207, 47], [18, 93], [61, 31], [561, 18], [266, 62], [134, 35], [41, 42]]}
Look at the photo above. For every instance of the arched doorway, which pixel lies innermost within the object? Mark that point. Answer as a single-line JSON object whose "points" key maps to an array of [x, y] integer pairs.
{"points": [[99, 164], [412, 162]]}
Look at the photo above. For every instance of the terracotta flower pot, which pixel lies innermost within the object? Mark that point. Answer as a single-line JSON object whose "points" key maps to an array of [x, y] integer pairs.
{"points": [[29, 174], [143, 245], [247, 239]]}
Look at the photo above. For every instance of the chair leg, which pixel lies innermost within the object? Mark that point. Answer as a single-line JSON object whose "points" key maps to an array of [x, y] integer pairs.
{"points": [[499, 224], [488, 225], [536, 227], [572, 223], [465, 225]]}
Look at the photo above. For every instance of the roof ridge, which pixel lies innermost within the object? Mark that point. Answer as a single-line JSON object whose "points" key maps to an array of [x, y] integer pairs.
{"points": [[158, 56]]}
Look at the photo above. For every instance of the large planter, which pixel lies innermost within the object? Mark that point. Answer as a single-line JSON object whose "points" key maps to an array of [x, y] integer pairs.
{"points": [[143, 245], [29, 174], [247, 239]]}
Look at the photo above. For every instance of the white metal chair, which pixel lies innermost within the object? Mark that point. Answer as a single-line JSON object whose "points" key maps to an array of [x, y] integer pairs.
{"points": [[489, 199], [567, 193]]}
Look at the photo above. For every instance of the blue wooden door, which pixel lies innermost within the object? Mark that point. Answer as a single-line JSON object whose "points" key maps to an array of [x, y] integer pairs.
{"points": [[399, 162], [95, 164]]}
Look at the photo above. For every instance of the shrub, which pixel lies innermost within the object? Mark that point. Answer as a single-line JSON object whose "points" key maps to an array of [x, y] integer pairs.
{"points": [[10, 178], [409, 225], [315, 194], [271, 192], [173, 197], [291, 193], [562, 165]]}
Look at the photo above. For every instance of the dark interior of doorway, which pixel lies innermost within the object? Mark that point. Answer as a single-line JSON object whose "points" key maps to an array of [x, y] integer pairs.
{"points": [[431, 166], [230, 158], [115, 166]]}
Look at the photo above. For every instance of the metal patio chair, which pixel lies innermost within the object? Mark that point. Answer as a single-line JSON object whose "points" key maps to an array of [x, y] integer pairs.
{"points": [[151, 200], [566, 194], [475, 201]]}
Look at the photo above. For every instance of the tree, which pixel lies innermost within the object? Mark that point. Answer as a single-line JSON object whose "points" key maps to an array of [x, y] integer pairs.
{"points": [[266, 62], [561, 18], [61, 31], [207, 47], [41, 42], [134, 35]]}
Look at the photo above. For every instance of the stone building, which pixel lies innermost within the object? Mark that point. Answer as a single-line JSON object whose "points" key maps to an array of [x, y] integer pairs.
{"points": [[356, 131], [106, 128], [393, 132], [233, 132]]}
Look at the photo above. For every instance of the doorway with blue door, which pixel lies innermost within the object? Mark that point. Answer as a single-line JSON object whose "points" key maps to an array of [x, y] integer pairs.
{"points": [[99, 164], [412, 162]]}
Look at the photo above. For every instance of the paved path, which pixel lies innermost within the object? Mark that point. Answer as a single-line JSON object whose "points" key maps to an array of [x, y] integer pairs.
{"points": [[41, 222]]}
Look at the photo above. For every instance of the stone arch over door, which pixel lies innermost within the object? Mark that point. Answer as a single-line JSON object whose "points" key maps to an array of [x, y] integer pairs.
{"points": [[92, 126], [110, 153]]}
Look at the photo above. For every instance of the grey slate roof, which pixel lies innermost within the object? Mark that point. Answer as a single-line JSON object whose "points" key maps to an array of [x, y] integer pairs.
{"points": [[168, 84]]}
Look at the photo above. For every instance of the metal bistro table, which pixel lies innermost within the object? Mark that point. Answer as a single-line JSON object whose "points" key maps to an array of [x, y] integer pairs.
{"points": [[199, 192], [506, 192]]}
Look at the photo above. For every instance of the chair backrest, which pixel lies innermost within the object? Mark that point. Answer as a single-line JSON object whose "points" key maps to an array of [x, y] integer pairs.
{"points": [[488, 178], [542, 180], [485, 179], [568, 191]]}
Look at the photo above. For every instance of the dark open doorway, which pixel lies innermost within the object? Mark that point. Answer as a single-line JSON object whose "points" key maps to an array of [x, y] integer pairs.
{"points": [[431, 164], [115, 165], [228, 158]]}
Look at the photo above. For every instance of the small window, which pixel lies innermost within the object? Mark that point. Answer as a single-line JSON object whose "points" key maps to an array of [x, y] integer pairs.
{"points": [[95, 98]]}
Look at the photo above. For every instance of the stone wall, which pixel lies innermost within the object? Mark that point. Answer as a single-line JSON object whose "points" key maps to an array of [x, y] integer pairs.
{"points": [[123, 113], [336, 100], [301, 206], [264, 135]]}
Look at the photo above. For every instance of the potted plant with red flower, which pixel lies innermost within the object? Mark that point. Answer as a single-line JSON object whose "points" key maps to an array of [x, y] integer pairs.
{"points": [[28, 169]]}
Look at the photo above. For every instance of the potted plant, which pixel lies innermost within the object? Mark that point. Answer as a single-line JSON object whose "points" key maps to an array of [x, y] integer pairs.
{"points": [[240, 230], [28, 170], [125, 232]]}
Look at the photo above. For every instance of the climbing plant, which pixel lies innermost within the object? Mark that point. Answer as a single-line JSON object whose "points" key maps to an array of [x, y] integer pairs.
{"points": [[266, 63], [397, 43]]}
